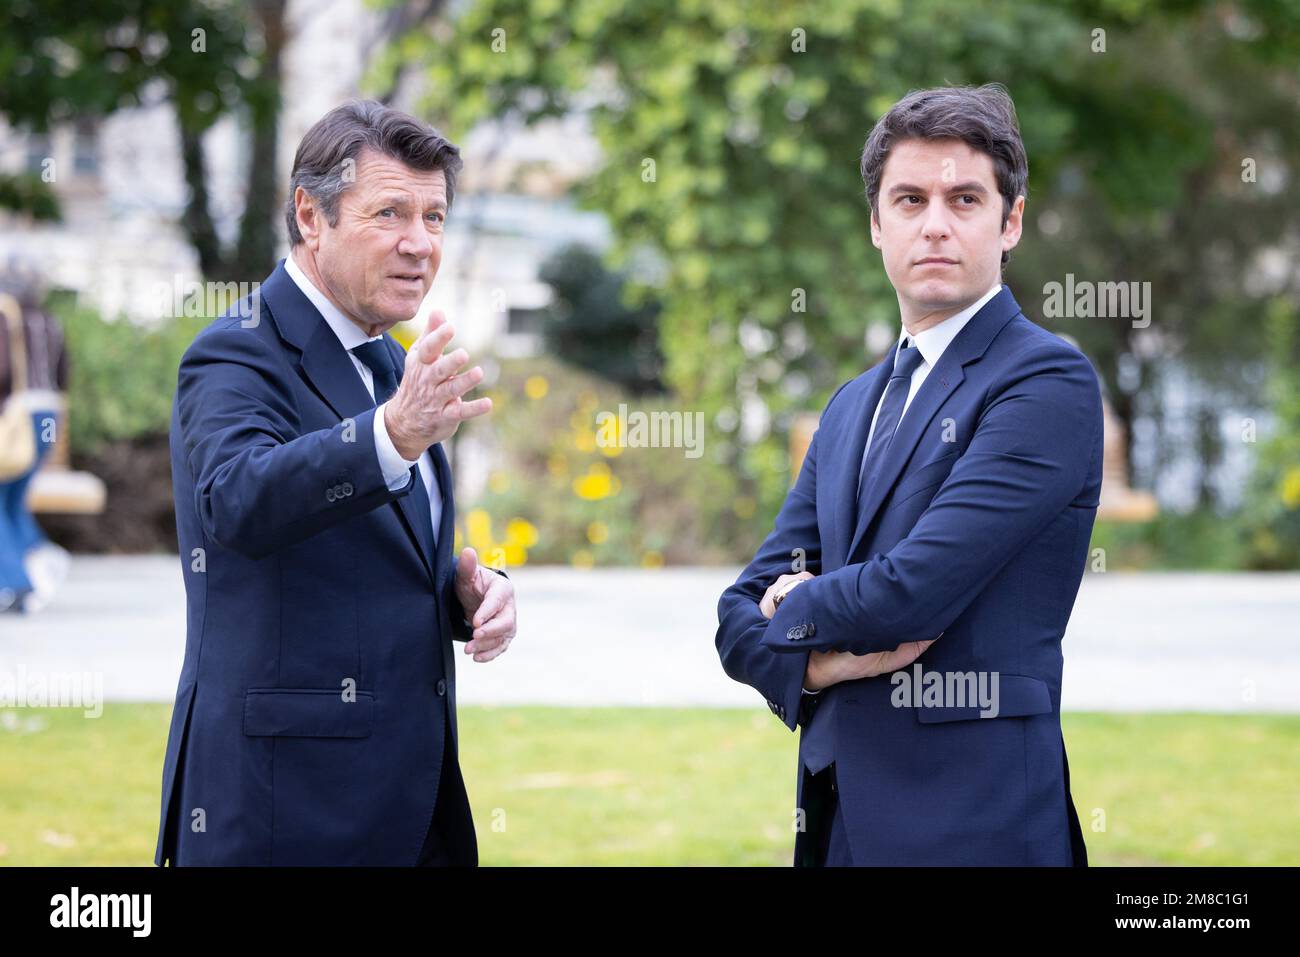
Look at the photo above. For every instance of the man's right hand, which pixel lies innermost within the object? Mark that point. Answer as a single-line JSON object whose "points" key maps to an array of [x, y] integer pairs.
{"points": [[427, 407], [826, 668]]}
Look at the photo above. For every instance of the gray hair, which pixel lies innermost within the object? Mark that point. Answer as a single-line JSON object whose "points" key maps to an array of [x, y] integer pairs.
{"points": [[984, 118], [342, 133]]}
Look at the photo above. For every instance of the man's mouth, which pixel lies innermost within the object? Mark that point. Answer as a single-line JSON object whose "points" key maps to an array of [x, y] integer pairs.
{"points": [[410, 277], [936, 261]]}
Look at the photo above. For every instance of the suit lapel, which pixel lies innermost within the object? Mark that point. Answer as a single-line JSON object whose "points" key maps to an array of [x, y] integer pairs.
{"points": [[940, 385], [844, 473]]}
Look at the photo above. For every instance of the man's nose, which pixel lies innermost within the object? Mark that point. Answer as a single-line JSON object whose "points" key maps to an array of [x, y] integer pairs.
{"points": [[415, 242], [937, 223]]}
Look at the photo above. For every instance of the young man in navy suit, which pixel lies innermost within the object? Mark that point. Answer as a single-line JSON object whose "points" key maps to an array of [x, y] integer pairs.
{"points": [[315, 717], [907, 610]]}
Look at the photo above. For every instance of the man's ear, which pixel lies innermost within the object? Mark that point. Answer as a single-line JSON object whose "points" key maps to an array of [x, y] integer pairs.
{"points": [[875, 230], [1015, 222], [310, 218]]}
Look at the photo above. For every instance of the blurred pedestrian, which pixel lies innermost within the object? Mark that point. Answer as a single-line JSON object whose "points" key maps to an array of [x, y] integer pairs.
{"points": [[33, 379]]}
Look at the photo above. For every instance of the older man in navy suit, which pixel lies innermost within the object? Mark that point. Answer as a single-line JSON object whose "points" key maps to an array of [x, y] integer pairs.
{"points": [[315, 717], [907, 610]]}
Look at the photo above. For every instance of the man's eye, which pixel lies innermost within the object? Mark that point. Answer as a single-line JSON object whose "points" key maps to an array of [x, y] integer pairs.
{"points": [[435, 217], [388, 213], [906, 198], [971, 196]]}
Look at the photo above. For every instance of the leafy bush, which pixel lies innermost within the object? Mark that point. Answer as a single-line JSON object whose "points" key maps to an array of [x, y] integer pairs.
{"points": [[121, 376], [556, 494]]}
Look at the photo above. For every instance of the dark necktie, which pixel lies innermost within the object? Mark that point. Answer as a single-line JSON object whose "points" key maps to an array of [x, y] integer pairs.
{"points": [[891, 411], [374, 356]]}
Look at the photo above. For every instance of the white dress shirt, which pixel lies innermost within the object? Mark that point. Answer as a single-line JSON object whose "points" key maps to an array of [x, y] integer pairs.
{"points": [[396, 470], [932, 342]]}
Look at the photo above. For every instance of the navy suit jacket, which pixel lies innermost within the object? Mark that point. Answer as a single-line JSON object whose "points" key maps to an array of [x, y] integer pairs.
{"points": [[319, 671], [977, 529]]}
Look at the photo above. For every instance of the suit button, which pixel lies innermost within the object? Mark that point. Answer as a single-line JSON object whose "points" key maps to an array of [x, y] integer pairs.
{"points": [[442, 687], [812, 629], [329, 494], [347, 488], [797, 633]]}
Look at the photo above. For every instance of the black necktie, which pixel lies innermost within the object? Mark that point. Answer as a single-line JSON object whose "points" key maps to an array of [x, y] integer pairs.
{"points": [[891, 411], [374, 356]]}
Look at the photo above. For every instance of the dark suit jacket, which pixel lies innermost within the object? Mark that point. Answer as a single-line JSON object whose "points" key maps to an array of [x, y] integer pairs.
{"points": [[978, 529], [319, 670]]}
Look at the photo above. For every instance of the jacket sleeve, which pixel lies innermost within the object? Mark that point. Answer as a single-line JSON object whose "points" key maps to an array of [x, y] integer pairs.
{"points": [[1031, 456], [741, 626], [259, 485]]}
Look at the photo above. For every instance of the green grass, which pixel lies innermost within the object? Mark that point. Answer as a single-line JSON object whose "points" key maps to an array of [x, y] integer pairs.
{"points": [[675, 786]]}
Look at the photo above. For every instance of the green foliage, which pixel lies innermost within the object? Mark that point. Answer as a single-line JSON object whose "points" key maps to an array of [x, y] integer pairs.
{"points": [[1272, 521], [62, 59], [27, 193], [121, 377], [731, 132], [589, 324], [1202, 540]]}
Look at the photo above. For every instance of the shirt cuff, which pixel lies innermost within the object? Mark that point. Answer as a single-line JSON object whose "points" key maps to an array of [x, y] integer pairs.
{"points": [[397, 470], [806, 691]]}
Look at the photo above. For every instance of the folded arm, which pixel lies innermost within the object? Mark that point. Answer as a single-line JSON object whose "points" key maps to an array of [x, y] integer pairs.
{"points": [[793, 545], [1029, 458]]}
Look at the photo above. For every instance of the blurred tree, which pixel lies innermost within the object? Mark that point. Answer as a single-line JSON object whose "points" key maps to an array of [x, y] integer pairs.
{"points": [[731, 131], [64, 60], [589, 325]]}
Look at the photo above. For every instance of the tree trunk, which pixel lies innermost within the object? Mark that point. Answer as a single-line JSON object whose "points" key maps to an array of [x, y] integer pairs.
{"points": [[255, 255]]}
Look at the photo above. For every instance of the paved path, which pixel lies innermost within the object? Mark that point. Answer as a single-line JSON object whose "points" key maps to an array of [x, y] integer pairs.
{"points": [[1137, 642]]}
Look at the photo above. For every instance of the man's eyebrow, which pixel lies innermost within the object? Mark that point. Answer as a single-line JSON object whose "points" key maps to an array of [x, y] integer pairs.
{"points": [[971, 186], [402, 201]]}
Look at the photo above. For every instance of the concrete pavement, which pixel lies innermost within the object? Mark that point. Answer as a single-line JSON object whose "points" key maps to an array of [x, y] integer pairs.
{"points": [[1136, 642]]}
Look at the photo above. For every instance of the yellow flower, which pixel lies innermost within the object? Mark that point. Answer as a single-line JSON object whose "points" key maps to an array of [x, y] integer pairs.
{"points": [[536, 387], [598, 483], [558, 466], [597, 533], [478, 527], [652, 559], [406, 333], [1291, 488], [584, 441], [582, 559], [521, 532]]}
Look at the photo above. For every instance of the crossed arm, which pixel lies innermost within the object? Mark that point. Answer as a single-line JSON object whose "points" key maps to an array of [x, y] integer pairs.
{"points": [[1030, 456]]}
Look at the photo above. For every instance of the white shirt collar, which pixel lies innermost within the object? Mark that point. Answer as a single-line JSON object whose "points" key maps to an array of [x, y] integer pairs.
{"points": [[348, 332], [933, 341]]}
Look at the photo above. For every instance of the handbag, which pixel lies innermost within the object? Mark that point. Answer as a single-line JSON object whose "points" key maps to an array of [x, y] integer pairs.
{"points": [[17, 431]]}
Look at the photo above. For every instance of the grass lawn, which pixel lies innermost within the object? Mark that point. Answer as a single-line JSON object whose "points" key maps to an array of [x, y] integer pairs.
{"points": [[675, 786]]}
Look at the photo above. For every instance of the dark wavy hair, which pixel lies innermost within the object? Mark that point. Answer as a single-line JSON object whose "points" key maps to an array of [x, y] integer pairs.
{"points": [[982, 117], [341, 135]]}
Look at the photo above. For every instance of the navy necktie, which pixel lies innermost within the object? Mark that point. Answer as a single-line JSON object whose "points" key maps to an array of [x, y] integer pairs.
{"points": [[374, 356], [891, 412]]}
